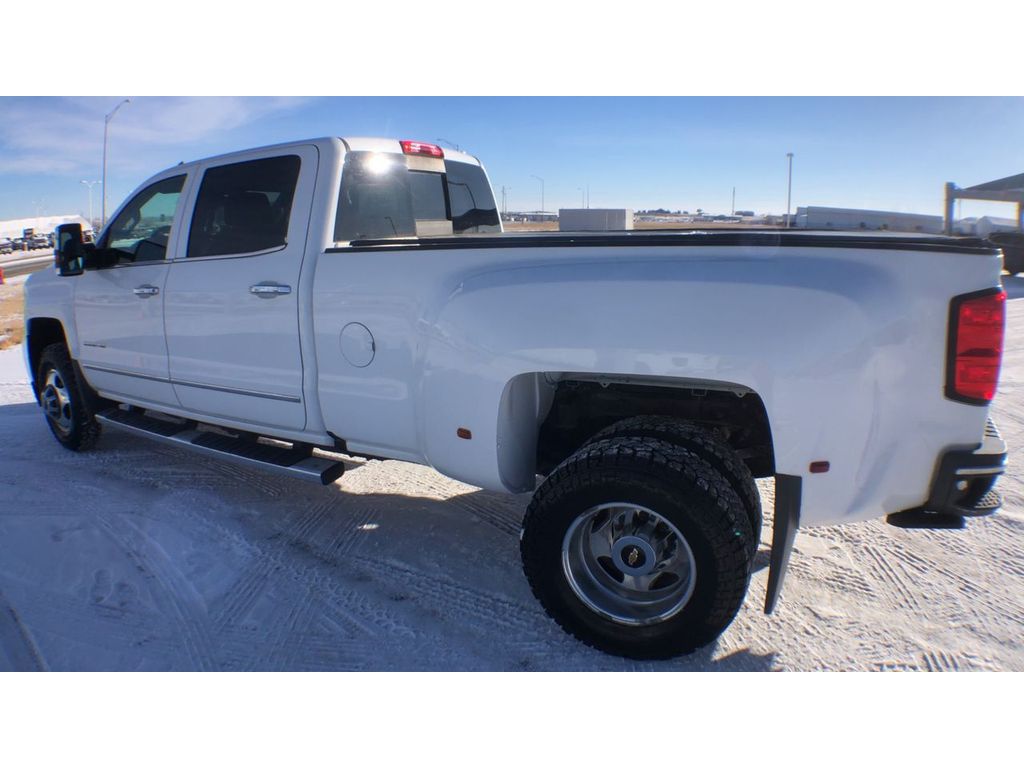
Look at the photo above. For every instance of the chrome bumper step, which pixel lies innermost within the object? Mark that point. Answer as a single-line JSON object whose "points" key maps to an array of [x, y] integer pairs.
{"points": [[242, 449]]}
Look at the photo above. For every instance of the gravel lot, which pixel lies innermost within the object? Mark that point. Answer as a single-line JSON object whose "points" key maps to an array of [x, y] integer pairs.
{"points": [[139, 556]]}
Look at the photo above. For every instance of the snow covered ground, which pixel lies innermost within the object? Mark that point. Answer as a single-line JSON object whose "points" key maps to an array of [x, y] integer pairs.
{"points": [[140, 556]]}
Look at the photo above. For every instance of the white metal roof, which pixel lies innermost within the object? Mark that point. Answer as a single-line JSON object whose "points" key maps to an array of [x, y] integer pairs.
{"points": [[41, 224]]}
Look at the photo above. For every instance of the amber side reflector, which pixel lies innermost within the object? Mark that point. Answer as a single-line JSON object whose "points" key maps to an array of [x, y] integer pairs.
{"points": [[819, 466], [464, 433]]}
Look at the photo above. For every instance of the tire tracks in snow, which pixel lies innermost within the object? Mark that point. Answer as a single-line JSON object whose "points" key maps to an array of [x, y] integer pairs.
{"points": [[890, 574], [320, 535], [16, 642], [449, 597], [149, 558]]}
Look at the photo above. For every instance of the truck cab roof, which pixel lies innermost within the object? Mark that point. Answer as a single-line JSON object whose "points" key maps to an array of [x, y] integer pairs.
{"points": [[348, 144]]}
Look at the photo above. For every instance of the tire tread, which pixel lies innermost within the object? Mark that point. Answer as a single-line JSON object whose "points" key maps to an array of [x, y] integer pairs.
{"points": [[701, 441], [85, 430], [717, 510]]}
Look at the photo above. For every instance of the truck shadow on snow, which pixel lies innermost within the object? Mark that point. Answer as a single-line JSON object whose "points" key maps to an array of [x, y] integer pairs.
{"points": [[393, 567]]}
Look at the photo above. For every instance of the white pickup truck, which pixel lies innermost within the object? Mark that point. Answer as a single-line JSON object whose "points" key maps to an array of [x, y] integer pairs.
{"points": [[283, 305]]}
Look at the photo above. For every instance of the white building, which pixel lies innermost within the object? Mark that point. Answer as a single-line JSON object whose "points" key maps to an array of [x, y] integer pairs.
{"points": [[984, 226], [43, 225], [595, 219], [819, 217]]}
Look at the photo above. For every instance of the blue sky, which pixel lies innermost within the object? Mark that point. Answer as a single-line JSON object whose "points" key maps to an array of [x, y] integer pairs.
{"points": [[676, 153]]}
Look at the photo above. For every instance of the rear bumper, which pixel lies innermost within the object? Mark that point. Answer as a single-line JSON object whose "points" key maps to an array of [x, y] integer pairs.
{"points": [[964, 479]]}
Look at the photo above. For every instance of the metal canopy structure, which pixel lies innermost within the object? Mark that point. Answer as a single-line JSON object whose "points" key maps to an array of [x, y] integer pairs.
{"points": [[1008, 190]]}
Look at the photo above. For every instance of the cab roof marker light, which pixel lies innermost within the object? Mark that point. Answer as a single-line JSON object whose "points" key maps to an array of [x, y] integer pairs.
{"points": [[421, 148]]}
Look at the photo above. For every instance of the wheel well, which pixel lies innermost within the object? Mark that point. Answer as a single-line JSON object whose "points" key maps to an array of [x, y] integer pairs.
{"points": [[580, 409], [42, 332]]}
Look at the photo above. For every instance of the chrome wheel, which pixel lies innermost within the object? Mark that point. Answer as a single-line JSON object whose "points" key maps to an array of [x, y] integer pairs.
{"points": [[57, 401], [628, 563]]}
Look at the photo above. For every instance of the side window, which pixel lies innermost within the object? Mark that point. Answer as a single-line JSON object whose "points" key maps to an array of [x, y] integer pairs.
{"points": [[473, 208], [244, 207], [143, 228]]}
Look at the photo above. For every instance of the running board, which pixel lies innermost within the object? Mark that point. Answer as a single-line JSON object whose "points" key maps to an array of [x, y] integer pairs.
{"points": [[243, 449]]}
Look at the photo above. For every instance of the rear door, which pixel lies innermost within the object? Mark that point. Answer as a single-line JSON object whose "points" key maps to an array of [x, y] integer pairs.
{"points": [[231, 309]]}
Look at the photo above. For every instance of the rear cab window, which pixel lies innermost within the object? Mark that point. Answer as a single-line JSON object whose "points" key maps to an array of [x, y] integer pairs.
{"points": [[389, 195]]}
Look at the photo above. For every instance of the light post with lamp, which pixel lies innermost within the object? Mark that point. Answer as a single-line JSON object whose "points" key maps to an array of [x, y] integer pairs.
{"points": [[90, 185], [106, 126]]}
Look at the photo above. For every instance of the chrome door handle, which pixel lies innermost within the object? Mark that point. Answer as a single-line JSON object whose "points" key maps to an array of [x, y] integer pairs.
{"points": [[145, 291], [269, 290]]}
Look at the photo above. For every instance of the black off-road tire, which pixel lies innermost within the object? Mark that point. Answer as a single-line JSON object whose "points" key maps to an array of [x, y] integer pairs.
{"points": [[708, 447], [681, 487], [83, 430]]}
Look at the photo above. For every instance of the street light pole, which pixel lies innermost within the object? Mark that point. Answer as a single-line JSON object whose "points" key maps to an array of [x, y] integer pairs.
{"points": [[538, 178], [90, 185], [106, 125], [789, 187]]}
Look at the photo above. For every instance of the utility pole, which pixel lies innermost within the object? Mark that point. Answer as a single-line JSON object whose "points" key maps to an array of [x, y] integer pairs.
{"points": [[40, 206], [538, 178], [90, 185], [733, 201], [504, 199], [789, 188], [106, 126], [588, 195]]}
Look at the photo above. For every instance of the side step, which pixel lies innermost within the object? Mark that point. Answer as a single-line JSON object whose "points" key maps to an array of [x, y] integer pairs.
{"points": [[243, 449]]}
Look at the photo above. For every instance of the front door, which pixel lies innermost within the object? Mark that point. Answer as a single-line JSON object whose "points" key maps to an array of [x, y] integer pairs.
{"points": [[119, 310], [231, 310]]}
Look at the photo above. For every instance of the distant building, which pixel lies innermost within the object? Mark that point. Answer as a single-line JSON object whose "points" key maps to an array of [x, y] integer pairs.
{"points": [[819, 217], [530, 216], [595, 219], [984, 226], [43, 225]]}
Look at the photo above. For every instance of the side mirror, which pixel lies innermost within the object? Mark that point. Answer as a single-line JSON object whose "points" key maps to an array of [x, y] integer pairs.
{"points": [[69, 250]]}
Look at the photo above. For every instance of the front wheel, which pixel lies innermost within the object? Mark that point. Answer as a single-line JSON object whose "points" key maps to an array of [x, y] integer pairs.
{"points": [[67, 411], [638, 547]]}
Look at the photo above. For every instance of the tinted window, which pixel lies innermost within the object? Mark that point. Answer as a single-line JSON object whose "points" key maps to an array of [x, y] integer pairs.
{"points": [[142, 229], [375, 200], [427, 190], [472, 204], [381, 197], [244, 207]]}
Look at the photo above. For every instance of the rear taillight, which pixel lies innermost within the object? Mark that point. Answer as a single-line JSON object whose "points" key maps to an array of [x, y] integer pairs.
{"points": [[420, 148], [976, 323]]}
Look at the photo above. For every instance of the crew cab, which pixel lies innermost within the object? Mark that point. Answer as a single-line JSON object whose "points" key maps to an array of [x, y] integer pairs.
{"points": [[282, 305]]}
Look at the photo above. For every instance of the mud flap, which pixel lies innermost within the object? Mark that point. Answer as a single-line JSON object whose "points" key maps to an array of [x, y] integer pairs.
{"points": [[787, 520]]}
